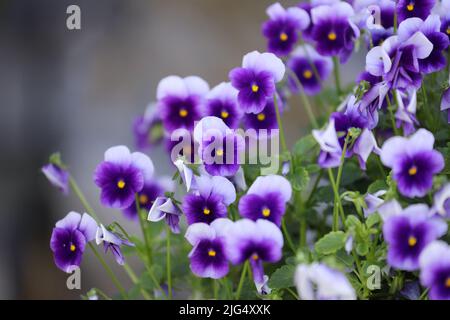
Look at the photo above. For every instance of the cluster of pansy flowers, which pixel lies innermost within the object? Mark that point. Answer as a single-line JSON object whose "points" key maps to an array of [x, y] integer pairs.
{"points": [[234, 220]]}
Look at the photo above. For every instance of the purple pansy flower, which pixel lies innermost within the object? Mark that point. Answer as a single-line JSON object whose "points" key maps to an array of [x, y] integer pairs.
{"points": [[121, 175], [308, 6], [405, 115], [256, 80], [57, 176], [266, 199], [414, 8], [220, 148], [179, 143], [431, 27], [221, 102], [373, 201], [113, 242], [305, 62], [283, 26], [208, 256], [257, 241], [69, 239], [413, 162], [186, 173], [435, 270], [180, 101], [152, 189], [332, 139], [334, 33], [398, 59], [147, 128], [320, 282], [441, 203], [266, 119], [164, 208], [407, 233], [210, 200]]}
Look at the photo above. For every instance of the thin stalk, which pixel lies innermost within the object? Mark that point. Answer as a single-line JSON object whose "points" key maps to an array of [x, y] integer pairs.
{"points": [[337, 201], [168, 266], [391, 114], [305, 101], [109, 272], [215, 288], [144, 231], [241, 280], [337, 75], [82, 198], [292, 293], [135, 280], [280, 124], [287, 236]]}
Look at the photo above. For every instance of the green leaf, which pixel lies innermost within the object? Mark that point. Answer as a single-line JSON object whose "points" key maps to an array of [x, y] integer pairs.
{"points": [[350, 173], [377, 186], [362, 248], [352, 221], [372, 220], [331, 242], [304, 145], [299, 179], [282, 277]]}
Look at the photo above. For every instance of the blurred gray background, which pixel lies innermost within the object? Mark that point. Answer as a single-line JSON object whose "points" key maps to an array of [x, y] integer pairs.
{"points": [[78, 91]]}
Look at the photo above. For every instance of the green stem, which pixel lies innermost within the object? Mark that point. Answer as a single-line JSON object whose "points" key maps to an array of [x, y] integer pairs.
{"points": [[292, 293], [287, 236], [215, 289], [102, 294], [241, 280], [391, 114], [135, 280], [280, 124], [144, 230], [109, 272], [168, 266], [337, 75], [305, 101], [424, 294], [82, 198], [337, 201]]}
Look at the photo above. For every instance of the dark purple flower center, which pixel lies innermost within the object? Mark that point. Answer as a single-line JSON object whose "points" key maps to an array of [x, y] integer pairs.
{"points": [[180, 112], [224, 109], [200, 209]]}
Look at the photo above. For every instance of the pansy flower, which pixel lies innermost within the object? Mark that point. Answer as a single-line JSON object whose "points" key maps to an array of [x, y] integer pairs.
{"points": [[164, 208], [332, 138], [121, 175], [179, 143], [334, 33], [310, 68], [220, 148], [431, 28], [210, 199], [282, 28], [408, 233], [256, 80], [208, 256], [112, 242], [180, 101], [221, 102], [442, 201], [435, 270], [58, 177], [152, 189], [266, 119], [414, 162], [405, 115], [256, 241], [69, 239], [320, 282], [147, 128], [266, 199], [414, 8]]}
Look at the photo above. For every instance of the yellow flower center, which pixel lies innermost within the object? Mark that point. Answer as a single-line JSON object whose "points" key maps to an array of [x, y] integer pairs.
{"points": [[206, 211], [447, 282], [266, 212], [121, 184], [212, 253], [307, 74], [183, 113], [412, 171], [219, 152], [332, 36], [143, 199], [410, 6], [412, 241], [448, 30], [283, 36], [255, 88], [255, 256], [224, 114], [261, 116], [73, 248]]}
